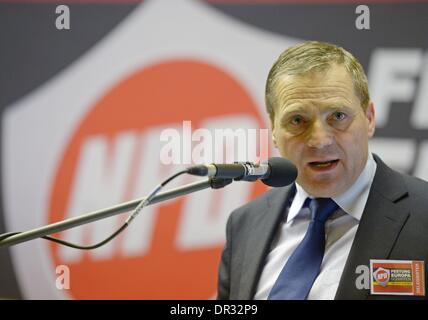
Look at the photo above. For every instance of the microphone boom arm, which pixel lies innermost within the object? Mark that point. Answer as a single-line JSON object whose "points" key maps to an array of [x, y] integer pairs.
{"points": [[9, 240]]}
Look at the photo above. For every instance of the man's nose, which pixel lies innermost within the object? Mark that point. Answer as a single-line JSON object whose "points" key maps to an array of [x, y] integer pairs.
{"points": [[320, 135]]}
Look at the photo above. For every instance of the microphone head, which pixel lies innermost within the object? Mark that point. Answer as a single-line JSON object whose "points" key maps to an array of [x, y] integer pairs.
{"points": [[282, 172]]}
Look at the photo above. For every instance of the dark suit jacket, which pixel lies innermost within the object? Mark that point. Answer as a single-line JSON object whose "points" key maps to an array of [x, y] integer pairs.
{"points": [[394, 225]]}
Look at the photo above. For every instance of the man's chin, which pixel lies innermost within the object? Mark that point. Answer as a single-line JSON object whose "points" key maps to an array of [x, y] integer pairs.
{"points": [[323, 190]]}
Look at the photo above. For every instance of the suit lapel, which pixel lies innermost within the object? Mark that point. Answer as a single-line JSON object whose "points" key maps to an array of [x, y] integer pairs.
{"points": [[381, 222], [264, 229]]}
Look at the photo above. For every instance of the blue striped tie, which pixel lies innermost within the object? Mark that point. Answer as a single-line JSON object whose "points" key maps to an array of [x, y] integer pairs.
{"points": [[299, 273]]}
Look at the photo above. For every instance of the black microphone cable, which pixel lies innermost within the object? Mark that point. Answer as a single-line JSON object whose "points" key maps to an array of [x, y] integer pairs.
{"points": [[128, 221], [280, 172]]}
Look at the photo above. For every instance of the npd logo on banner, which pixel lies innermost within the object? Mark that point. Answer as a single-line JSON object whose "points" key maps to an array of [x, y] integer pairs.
{"points": [[172, 250]]}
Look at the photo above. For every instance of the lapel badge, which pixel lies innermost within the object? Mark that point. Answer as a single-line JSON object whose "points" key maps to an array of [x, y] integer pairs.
{"points": [[397, 277]]}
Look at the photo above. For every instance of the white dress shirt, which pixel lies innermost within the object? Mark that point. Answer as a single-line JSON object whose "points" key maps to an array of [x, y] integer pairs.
{"points": [[340, 231]]}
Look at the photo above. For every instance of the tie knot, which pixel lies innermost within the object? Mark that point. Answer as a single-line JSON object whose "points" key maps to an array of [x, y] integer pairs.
{"points": [[322, 208]]}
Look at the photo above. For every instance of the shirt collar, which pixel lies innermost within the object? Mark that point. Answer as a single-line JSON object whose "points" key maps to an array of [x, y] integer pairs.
{"points": [[352, 201]]}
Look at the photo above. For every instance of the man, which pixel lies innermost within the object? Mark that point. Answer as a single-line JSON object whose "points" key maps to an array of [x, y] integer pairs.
{"points": [[347, 207]]}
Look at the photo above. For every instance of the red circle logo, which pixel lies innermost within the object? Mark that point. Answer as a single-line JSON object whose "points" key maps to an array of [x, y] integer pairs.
{"points": [[112, 155]]}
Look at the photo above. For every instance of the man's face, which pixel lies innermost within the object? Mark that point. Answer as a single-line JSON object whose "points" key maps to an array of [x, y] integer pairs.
{"points": [[320, 126]]}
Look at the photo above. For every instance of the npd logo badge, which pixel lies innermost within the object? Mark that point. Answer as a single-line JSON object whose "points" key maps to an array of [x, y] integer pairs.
{"points": [[172, 250], [381, 276]]}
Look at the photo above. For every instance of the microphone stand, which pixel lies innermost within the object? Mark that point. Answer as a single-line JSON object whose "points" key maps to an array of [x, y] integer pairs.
{"points": [[214, 183]]}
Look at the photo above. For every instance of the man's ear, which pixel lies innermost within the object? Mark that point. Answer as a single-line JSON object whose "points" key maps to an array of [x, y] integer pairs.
{"points": [[370, 115], [272, 124]]}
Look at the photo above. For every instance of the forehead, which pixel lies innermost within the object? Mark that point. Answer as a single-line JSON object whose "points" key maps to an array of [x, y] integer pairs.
{"points": [[333, 86]]}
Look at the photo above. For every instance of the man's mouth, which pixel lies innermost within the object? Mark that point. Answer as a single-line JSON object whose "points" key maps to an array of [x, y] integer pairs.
{"points": [[323, 165]]}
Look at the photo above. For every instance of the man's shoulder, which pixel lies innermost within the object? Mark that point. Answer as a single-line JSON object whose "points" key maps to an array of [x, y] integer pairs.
{"points": [[397, 185], [415, 186], [418, 197]]}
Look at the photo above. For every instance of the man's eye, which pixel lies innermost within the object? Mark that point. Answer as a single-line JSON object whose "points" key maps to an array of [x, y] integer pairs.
{"points": [[339, 116], [297, 120]]}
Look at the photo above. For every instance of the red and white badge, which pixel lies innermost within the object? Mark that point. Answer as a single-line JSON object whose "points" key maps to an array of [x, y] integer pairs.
{"points": [[397, 277]]}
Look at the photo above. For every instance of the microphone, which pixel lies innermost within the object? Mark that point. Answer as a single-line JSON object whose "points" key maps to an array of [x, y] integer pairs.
{"points": [[276, 172]]}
